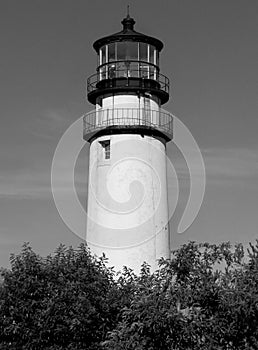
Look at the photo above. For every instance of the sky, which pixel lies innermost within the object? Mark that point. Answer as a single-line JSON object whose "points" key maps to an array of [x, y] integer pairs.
{"points": [[210, 56]]}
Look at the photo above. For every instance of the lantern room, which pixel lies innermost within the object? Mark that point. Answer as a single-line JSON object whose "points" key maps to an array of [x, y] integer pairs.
{"points": [[128, 61]]}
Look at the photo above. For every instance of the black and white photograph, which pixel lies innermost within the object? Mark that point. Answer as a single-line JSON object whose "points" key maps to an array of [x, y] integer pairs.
{"points": [[129, 175]]}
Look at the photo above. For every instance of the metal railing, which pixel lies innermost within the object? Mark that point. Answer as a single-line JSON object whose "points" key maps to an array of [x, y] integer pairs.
{"points": [[125, 117], [126, 71], [134, 64]]}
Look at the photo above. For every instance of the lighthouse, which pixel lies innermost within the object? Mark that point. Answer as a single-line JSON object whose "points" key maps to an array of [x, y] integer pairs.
{"points": [[127, 204]]}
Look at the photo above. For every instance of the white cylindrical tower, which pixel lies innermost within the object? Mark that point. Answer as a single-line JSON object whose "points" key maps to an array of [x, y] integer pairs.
{"points": [[127, 189]]}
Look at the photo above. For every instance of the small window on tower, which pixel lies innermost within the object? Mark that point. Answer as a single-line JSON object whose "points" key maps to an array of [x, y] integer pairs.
{"points": [[107, 150], [106, 147]]}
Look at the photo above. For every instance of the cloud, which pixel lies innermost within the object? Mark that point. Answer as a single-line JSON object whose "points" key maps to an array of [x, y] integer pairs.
{"points": [[34, 181], [231, 163], [224, 167], [50, 123], [26, 167]]}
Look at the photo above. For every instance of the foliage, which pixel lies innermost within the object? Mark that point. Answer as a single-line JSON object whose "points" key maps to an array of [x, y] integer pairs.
{"points": [[61, 302], [205, 297]]}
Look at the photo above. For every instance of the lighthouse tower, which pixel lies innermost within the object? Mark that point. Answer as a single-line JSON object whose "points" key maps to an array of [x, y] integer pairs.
{"points": [[128, 131]]}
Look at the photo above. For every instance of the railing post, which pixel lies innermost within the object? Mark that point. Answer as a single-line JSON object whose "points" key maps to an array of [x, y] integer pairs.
{"points": [[107, 116]]}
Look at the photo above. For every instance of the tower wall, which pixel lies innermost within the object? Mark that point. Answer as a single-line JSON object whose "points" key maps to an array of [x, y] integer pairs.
{"points": [[129, 101], [127, 200]]}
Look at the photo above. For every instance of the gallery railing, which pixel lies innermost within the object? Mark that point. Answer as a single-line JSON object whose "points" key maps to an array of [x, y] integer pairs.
{"points": [[127, 117], [133, 71]]}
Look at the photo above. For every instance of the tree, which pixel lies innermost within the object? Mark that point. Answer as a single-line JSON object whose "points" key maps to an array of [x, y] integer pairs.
{"points": [[61, 302], [205, 298]]}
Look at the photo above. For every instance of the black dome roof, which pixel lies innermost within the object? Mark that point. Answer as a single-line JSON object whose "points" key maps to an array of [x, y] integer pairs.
{"points": [[128, 34]]}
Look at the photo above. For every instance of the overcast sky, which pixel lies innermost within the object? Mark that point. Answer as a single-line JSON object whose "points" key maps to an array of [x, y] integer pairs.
{"points": [[210, 55]]}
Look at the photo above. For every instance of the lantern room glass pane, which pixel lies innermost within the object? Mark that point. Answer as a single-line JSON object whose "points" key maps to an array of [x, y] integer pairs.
{"points": [[111, 52], [152, 54], [157, 58], [121, 51], [132, 51], [143, 49]]}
